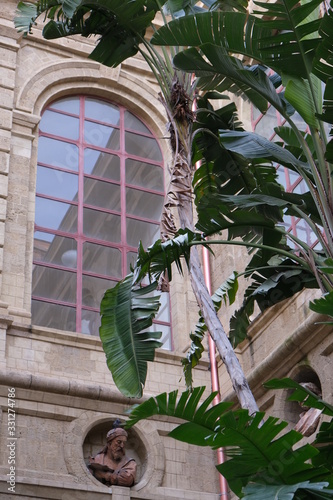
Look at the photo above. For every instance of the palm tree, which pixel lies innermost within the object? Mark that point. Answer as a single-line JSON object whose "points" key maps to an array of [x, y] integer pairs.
{"points": [[293, 41]]}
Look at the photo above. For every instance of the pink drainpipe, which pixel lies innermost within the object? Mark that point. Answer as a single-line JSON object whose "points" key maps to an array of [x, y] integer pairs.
{"points": [[214, 372]]}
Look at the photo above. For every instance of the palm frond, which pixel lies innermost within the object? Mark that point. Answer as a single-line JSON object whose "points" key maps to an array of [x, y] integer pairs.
{"points": [[258, 451]]}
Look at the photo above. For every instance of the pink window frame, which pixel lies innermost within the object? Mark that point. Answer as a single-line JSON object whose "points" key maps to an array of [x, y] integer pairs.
{"points": [[79, 236]]}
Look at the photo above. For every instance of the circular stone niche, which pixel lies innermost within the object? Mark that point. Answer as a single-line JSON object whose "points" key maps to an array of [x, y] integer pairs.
{"points": [[96, 440]]}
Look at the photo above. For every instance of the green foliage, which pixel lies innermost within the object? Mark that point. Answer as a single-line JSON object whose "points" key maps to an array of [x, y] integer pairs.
{"points": [[263, 461], [120, 24], [236, 188], [127, 312]]}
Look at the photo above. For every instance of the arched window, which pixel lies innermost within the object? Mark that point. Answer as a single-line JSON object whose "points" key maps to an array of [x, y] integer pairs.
{"points": [[100, 189]]}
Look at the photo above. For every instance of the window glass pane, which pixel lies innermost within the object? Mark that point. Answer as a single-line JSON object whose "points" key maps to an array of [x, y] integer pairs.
{"points": [[102, 260], [142, 146], [144, 204], [266, 125], [56, 215], [163, 313], [55, 249], [146, 232], [59, 124], [101, 135], [58, 153], [101, 225], [293, 177], [53, 316], [90, 322], [166, 334], [144, 175], [68, 104], [101, 164], [93, 290], [133, 123], [102, 194], [54, 284], [57, 183], [166, 338], [102, 111]]}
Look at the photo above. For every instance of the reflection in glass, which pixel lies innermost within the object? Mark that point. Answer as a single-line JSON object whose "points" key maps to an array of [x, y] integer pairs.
{"points": [[53, 315], [85, 234], [101, 225], [142, 146], [166, 334], [56, 183], [54, 249], [137, 230], [59, 124], [101, 111], [133, 123], [102, 260], [58, 153], [56, 215], [268, 122], [90, 322], [68, 104], [144, 175], [144, 204], [101, 164], [93, 290], [101, 135], [102, 194], [54, 284]]}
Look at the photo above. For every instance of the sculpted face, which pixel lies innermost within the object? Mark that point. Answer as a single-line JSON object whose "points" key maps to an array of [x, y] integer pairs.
{"points": [[116, 447]]}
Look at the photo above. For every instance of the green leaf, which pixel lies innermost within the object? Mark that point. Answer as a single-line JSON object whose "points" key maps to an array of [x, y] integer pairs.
{"points": [[25, 17], [284, 492], [257, 449], [252, 145], [301, 394], [299, 94], [323, 305], [126, 315], [188, 407]]}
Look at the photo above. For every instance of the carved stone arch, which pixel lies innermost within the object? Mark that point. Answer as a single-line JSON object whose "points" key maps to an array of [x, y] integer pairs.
{"points": [[86, 435], [74, 76], [291, 411]]}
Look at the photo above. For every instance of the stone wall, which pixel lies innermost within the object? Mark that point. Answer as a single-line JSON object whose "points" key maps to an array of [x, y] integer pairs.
{"points": [[64, 393]]}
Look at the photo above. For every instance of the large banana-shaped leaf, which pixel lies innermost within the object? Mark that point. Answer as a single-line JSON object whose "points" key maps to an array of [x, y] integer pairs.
{"points": [[128, 346], [283, 38], [290, 51], [120, 24], [252, 145], [299, 491], [271, 283], [258, 452]]}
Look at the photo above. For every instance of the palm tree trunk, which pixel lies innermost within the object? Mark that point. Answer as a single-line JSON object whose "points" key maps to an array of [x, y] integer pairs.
{"points": [[180, 128], [213, 323]]}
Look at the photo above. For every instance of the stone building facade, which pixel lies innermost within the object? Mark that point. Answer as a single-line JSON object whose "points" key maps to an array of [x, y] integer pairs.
{"points": [[65, 399]]}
